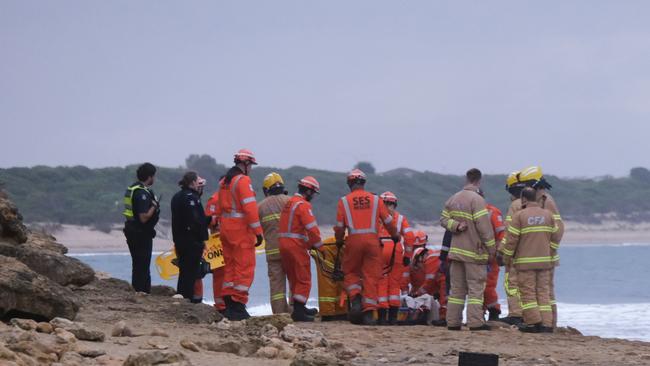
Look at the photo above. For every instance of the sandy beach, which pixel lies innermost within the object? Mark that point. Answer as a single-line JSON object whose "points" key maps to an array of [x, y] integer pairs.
{"points": [[83, 239]]}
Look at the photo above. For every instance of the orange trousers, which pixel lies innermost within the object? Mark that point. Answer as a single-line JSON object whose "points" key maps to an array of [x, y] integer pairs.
{"points": [[296, 264], [362, 265], [217, 288], [239, 255], [388, 291], [490, 296]]}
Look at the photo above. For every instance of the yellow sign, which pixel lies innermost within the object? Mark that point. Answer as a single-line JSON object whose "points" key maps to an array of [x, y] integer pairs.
{"points": [[212, 254]]}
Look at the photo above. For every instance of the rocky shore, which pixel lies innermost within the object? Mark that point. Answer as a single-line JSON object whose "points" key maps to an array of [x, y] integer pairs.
{"points": [[55, 310]]}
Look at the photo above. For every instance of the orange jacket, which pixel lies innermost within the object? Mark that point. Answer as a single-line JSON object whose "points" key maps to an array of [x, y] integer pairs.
{"points": [[425, 278], [237, 204], [360, 212], [498, 225], [297, 221], [211, 209], [404, 229]]}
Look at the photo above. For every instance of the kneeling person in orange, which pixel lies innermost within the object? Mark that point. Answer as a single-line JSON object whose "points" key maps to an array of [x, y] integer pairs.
{"points": [[360, 213], [396, 258], [426, 278], [241, 232], [298, 232], [529, 247]]}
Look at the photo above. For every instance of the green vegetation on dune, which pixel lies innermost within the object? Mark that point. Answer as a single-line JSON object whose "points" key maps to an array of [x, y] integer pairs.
{"points": [[79, 195]]}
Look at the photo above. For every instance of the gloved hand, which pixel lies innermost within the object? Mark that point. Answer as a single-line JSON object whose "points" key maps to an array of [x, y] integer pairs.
{"points": [[260, 239], [443, 267], [339, 244], [406, 261], [396, 239]]}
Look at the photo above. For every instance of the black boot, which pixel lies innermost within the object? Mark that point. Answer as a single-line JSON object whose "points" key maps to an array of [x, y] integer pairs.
{"points": [[439, 323], [530, 328], [300, 313], [543, 329], [311, 311], [493, 313], [369, 318], [355, 315], [382, 317], [482, 327], [512, 320], [392, 315], [238, 311], [228, 310]]}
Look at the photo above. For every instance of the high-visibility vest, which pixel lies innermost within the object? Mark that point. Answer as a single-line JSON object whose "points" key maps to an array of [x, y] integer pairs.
{"points": [[128, 199]]}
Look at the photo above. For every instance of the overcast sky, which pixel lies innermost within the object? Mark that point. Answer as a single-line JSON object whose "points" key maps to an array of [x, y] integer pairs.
{"points": [[430, 85]]}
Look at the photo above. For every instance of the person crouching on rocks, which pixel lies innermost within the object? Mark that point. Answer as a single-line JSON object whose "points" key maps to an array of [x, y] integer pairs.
{"points": [[189, 232]]}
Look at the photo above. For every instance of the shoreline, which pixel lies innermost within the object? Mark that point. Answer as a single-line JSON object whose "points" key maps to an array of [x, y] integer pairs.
{"points": [[84, 240]]}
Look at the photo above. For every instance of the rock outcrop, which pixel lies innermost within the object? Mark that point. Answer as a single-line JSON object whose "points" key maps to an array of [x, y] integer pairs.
{"points": [[34, 271], [28, 294]]}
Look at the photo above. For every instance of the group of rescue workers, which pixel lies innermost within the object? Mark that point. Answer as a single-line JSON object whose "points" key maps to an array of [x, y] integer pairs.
{"points": [[382, 257]]}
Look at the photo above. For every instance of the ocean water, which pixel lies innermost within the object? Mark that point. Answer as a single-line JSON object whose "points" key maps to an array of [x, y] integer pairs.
{"points": [[602, 290]]}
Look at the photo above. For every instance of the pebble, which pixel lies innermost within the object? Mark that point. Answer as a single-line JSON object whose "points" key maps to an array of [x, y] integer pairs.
{"points": [[187, 344]]}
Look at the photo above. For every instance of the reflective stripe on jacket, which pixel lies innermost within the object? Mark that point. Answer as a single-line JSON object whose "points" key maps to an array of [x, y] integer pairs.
{"points": [[530, 237], [237, 201], [360, 212], [476, 243], [269, 211], [297, 221]]}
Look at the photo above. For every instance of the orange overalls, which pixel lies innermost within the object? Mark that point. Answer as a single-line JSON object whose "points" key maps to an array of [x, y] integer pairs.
{"points": [[425, 279], [298, 232], [389, 284], [490, 296], [217, 273], [239, 223], [360, 212]]}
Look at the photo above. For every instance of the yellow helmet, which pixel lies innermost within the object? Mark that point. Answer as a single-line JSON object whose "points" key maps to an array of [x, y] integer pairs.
{"points": [[533, 173], [512, 179], [271, 180]]}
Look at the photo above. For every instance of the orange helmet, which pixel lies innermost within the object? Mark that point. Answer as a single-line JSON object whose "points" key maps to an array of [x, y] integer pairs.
{"points": [[388, 197], [421, 238], [310, 182], [245, 156], [356, 174]]}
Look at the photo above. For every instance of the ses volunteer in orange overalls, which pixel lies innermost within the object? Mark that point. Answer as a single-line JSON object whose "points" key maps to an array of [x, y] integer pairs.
{"points": [[396, 257], [359, 212], [217, 273], [241, 232], [490, 296], [298, 233]]}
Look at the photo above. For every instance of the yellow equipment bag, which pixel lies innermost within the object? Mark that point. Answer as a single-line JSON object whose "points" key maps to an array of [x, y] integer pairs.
{"points": [[332, 300], [212, 254]]}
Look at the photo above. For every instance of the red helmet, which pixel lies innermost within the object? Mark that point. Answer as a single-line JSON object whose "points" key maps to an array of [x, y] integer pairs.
{"points": [[245, 156], [388, 197], [421, 238], [310, 182], [356, 174]]}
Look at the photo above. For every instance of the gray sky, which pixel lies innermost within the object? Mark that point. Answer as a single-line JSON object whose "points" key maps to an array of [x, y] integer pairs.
{"points": [[432, 85]]}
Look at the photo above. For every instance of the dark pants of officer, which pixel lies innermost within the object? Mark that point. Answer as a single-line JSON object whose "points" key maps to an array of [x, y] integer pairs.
{"points": [[140, 246], [189, 262]]}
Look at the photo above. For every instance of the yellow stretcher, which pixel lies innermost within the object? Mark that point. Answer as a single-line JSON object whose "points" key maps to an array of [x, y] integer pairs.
{"points": [[213, 254], [332, 300]]}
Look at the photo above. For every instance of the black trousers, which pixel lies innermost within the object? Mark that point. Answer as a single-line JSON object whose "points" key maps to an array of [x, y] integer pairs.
{"points": [[140, 246], [189, 258]]}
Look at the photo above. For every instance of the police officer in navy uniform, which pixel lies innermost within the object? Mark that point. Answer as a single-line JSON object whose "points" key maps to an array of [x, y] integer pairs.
{"points": [[189, 231], [141, 211]]}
